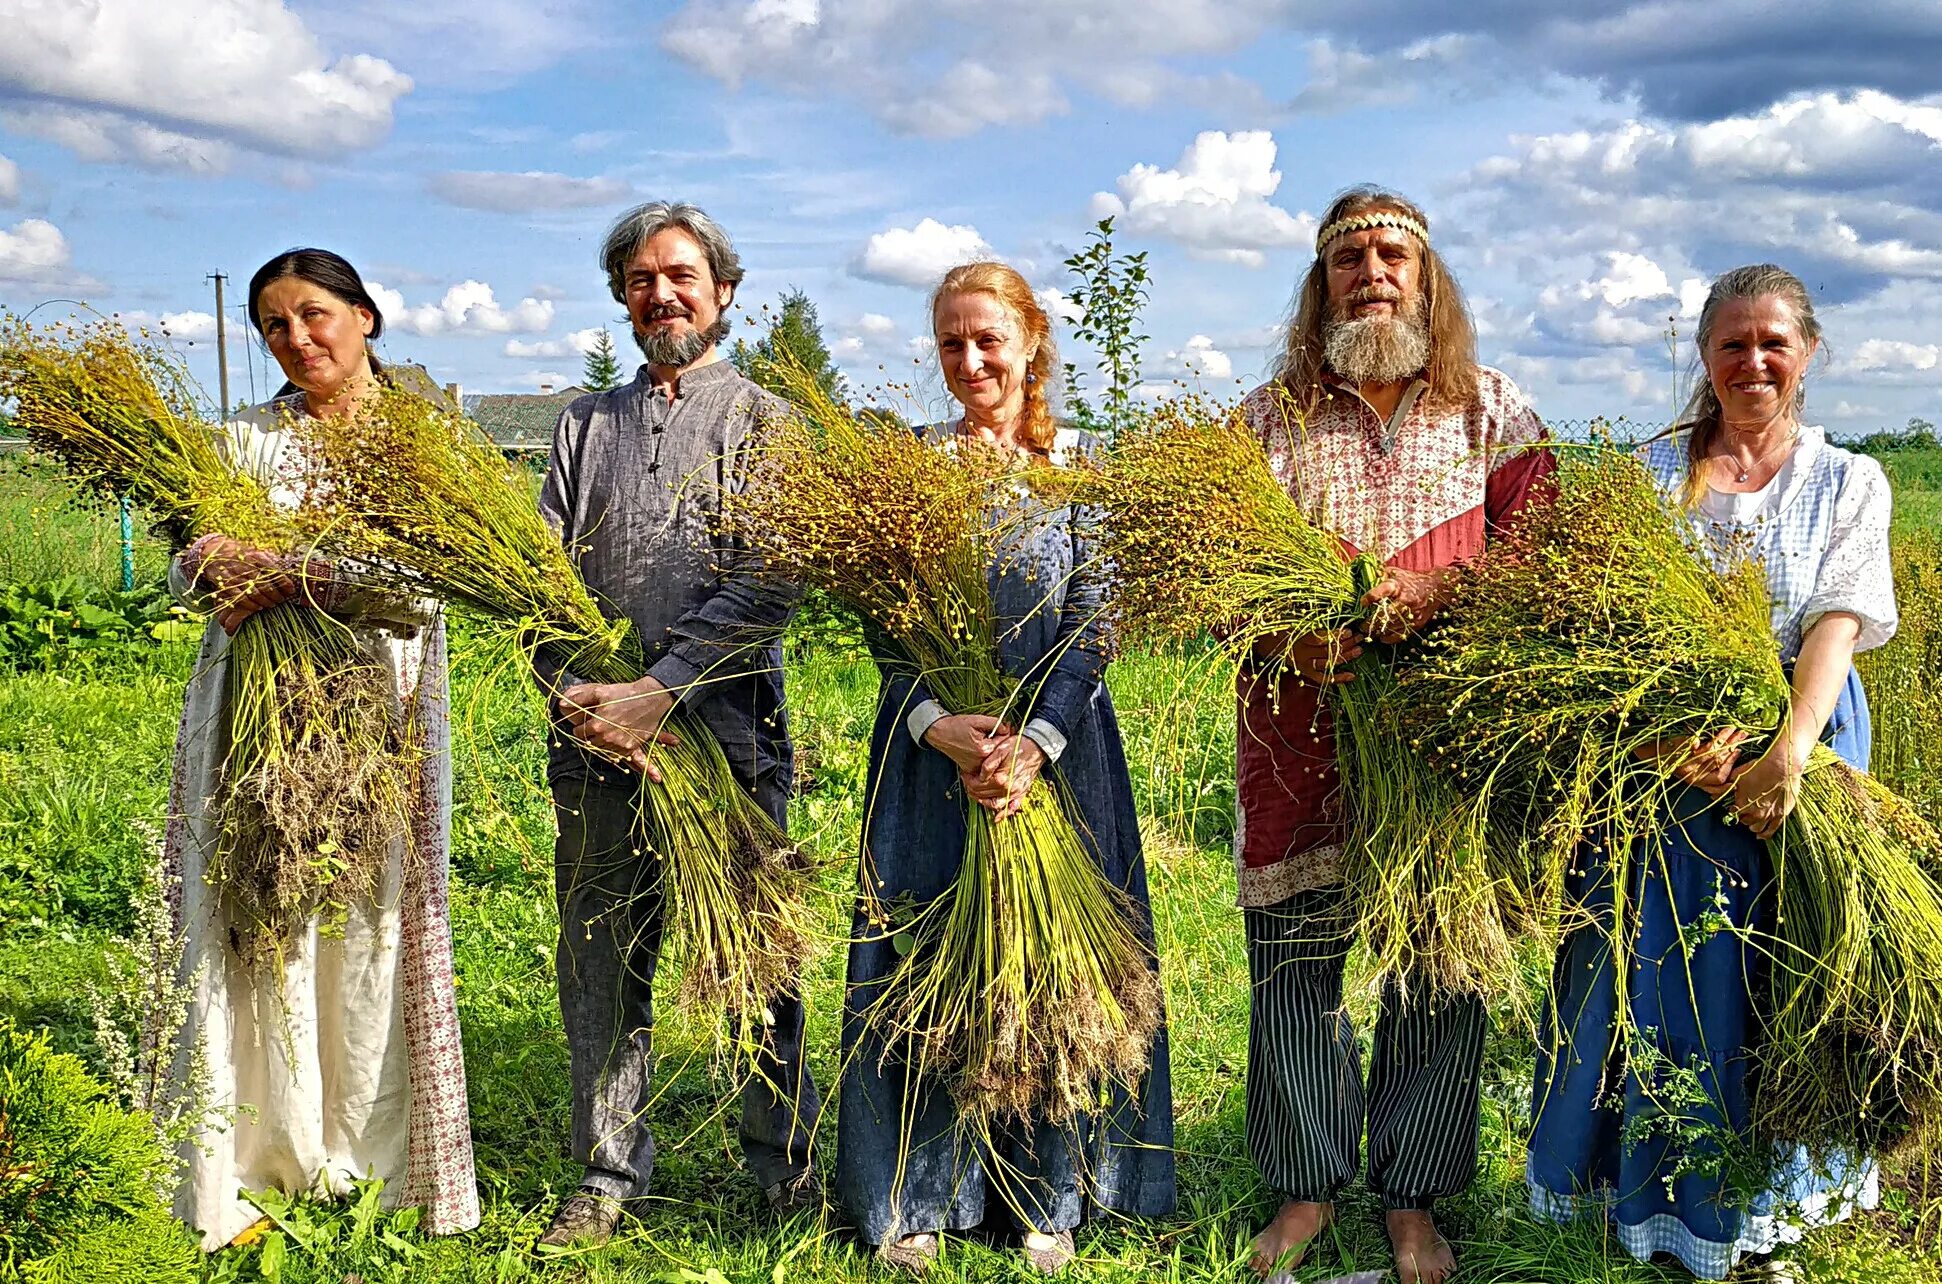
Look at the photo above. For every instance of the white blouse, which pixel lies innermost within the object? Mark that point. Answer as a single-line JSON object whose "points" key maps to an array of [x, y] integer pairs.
{"points": [[1819, 527]]}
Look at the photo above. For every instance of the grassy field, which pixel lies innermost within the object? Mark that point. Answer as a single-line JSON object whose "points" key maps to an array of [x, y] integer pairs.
{"points": [[84, 749]]}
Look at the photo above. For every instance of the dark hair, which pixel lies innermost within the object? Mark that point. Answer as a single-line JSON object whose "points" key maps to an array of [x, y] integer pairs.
{"points": [[332, 272], [327, 271]]}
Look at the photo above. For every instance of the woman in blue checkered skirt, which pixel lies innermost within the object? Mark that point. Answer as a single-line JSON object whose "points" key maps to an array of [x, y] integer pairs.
{"points": [[1753, 478]]}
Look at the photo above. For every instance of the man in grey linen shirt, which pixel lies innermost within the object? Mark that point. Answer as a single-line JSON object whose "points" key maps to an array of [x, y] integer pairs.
{"points": [[632, 480]]}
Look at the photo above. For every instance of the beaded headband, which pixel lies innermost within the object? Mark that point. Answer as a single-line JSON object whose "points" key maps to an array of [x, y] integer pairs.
{"points": [[1363, 222]]}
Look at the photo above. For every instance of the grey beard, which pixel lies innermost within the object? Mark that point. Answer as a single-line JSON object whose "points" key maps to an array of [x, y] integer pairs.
{"points": [[677, 350], [1378, 349]]}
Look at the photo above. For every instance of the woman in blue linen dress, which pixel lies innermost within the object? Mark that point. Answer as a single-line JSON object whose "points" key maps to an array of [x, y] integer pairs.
{"points": [[904, 1171], [1752, 478]]}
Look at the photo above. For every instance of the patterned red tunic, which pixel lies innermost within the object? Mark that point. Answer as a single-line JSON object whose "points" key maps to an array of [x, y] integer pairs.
{"points": [[1425, 489]]}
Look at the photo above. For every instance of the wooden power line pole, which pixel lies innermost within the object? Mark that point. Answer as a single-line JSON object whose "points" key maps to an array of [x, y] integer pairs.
{"points": [[222, 346]]}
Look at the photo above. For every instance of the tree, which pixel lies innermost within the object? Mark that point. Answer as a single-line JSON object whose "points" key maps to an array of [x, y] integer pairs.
{"points": [[794, 334], [1112, 290], [603, 367]]}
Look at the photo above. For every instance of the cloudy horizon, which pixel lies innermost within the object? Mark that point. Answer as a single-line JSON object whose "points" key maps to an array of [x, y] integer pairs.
{"points": [[1586, 176]]}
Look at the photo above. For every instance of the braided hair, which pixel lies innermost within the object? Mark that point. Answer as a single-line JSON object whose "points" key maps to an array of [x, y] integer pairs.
{"points": [[1004, 284]]}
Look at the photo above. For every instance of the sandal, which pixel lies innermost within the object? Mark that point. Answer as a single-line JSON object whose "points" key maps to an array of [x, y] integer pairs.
{"points": [[1052, 1258], [914, 1254]]}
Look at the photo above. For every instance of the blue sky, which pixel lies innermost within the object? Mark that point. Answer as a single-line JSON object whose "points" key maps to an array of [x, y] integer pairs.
{"points": [[1585, 174]]}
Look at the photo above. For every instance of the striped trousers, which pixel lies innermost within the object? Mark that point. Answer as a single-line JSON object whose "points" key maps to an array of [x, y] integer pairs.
{"points": [[1306, 1104]]}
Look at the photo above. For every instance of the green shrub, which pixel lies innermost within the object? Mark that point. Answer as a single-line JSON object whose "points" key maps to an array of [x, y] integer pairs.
{"points": [[80, 1179], [50, 621]]}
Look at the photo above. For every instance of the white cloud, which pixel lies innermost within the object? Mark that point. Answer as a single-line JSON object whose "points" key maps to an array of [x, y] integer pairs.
{"points": [[475, 43], [1608, 329], [1895, 354], [577, 344], [971, 95], [1198, 358], [1214, 201], [190, 325], [1633, 277], [1059, 305], [874, 340], [1842, 189], [33, 252], [885, 54], [1009, 67], [595, 140], [524, 193], [543, 380], [468, 308], [109, 136], [9, 181], [1610, 236], [1692, 295], [918, 256], [142, 77], [1342, 77]]}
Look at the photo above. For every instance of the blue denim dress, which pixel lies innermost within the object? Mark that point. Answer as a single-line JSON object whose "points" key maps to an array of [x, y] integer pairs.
{"points": [[903, 1166]]}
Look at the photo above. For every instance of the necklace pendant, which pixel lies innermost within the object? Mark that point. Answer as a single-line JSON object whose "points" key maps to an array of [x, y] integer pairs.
{"points": [[1743, 475]]}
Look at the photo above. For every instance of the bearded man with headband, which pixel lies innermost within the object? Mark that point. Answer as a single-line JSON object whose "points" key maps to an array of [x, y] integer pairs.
{"points": [[1380, 423]]}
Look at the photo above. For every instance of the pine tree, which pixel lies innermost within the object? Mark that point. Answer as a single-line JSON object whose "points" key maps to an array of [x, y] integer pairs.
{"points": [[81, 1181], [797, 333], [603, 367]]}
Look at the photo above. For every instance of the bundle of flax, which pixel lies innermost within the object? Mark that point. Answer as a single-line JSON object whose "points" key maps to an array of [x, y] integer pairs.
{"points": [[1027, 987], [1599, 633], [1204, 541], [316, 774], [422, 499]]}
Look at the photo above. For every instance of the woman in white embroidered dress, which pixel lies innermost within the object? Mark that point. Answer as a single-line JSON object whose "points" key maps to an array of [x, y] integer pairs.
{"points": [[1753, 478], [349, 1064]]}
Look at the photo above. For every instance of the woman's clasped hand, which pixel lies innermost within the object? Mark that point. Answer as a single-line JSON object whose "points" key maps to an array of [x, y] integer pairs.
{"points": [[996, 765]]}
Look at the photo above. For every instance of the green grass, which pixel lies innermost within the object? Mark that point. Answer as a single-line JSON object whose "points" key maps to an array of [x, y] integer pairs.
{"points": [[47, 530], [84, 757]]}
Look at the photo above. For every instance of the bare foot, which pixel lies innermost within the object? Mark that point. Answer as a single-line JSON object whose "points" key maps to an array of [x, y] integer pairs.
{"points": [[1280, 1247], [1423, 1256]]}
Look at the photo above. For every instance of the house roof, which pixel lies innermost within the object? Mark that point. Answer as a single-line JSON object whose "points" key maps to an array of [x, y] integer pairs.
{"points": [[520, 418]]}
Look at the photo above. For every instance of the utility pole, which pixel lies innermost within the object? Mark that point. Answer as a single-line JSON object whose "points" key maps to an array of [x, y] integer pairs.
{"points": [[249, 352], [222, 346]]}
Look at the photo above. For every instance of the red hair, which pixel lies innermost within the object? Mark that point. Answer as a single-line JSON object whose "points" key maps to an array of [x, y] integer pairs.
{"points": [[1004, 284]]}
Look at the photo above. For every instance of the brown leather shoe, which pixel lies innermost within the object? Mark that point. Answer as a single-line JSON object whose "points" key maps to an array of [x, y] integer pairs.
{"points": [[586, 1220]]}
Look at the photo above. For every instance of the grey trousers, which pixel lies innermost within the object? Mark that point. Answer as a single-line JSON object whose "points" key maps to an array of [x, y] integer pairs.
{"points": [[610, 943], [1306, 1106]]}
